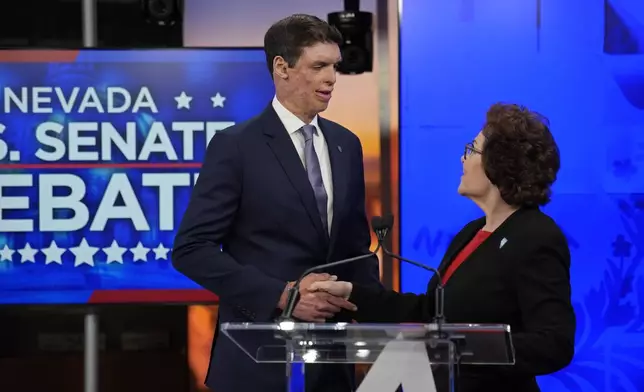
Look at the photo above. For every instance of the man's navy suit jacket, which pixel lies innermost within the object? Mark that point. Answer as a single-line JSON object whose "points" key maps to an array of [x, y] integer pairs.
{"points": [[252, 225]]}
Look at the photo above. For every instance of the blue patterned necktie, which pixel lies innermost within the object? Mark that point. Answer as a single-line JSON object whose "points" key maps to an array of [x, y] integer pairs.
{"points": [[315, 173]]}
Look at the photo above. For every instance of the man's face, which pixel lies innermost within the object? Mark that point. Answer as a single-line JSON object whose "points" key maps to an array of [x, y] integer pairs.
{"points": [[309, 83]]}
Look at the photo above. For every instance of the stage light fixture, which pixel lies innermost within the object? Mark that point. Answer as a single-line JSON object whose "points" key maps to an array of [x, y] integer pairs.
{"points": [[357, 34], [162, 12]]}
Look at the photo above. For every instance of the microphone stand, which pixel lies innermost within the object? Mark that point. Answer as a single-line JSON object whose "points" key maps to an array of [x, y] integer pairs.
{"points": [[439, 298], [294, 292], [381, 228]]}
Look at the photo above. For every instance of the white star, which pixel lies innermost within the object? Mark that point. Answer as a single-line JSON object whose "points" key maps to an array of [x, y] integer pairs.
{"points": [[140, 252], [27, 254], [218, 101], [84, 253], [53, 254], [161, 252], [6, 253], [183, 101], [114, 253]]}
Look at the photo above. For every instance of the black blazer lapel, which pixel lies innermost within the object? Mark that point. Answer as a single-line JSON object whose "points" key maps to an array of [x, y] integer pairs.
{"points": [[458, 243], [466, 235], [282, 146], [340, 171]]}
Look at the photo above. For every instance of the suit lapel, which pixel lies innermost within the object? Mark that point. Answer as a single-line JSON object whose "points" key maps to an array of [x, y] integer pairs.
{"points": [[457, 244], [466, 235], [340, 169], [282, 146]]}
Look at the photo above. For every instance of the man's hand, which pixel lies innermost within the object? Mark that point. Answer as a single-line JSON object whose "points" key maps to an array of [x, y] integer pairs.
{"points": [[339, 289], [315, 307], [312, 278], [304, 284]]}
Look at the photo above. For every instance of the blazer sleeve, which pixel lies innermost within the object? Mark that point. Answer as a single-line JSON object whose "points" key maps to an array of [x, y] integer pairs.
{"points": [[388, 306], [367, 272], [547, 342], [199, 251]]}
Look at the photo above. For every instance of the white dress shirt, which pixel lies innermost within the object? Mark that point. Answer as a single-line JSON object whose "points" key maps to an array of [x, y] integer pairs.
{"points": [[293, 125]]}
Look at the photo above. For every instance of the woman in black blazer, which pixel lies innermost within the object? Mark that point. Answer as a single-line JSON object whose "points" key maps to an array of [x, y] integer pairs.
{"points": [[509, 267]]}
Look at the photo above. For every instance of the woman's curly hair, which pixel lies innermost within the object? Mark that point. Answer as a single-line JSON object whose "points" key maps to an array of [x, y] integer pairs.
{"points": [[520, 156]]}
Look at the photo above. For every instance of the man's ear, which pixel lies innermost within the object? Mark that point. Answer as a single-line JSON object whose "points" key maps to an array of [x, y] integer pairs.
{"points": [[280, 67]]}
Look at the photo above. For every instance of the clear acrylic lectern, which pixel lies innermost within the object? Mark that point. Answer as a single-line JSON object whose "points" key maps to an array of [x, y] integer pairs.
{"points": [[417, 356]]}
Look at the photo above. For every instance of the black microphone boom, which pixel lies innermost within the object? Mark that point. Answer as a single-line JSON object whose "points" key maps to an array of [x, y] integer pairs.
{"points": [[381, 226], [294, 291]]}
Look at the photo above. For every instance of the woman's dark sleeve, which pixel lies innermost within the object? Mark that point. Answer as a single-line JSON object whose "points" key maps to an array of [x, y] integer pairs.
{"points": [[388, 306], [546, 343]]}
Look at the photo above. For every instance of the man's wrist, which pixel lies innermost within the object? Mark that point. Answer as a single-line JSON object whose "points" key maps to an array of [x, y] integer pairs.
{"points": [[284, 297]]}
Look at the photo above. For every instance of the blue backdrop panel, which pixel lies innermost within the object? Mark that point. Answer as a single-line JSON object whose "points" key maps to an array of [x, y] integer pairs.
{"points": [[580, 63]]}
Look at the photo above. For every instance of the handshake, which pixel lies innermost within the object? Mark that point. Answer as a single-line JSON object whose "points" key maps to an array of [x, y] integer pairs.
{"points": [[321, 297]]}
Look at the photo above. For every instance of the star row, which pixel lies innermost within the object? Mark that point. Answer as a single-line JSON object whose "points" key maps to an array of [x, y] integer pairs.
{"points": [[183, 101], [84, 253]]}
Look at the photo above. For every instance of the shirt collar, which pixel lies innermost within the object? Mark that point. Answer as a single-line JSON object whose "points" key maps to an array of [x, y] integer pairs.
{"points": [[291, 122]]}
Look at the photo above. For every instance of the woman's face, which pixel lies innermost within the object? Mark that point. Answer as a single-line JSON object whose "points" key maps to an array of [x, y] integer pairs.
{"points": [[474, 182]]}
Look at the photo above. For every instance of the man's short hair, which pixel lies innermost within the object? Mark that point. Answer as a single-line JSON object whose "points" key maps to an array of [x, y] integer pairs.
{"points": [[288, 37]]}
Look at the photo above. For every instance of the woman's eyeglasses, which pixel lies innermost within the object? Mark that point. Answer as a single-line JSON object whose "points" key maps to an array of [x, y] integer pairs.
{"points": [[469, 150]]}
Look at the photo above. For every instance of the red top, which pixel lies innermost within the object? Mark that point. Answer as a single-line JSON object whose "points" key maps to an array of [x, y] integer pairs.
{"points": [[465, 253]]}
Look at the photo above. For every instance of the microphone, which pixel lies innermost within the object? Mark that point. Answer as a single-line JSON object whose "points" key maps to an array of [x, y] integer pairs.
{"points": [[294, 291], [382, 226]]}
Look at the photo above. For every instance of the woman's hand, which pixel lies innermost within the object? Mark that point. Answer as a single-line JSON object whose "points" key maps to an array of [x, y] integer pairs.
{"points": [[339, 289]]}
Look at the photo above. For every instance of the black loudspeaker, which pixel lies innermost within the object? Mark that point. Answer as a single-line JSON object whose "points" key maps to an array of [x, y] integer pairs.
{"points": [[357, 35], [162, 12]]}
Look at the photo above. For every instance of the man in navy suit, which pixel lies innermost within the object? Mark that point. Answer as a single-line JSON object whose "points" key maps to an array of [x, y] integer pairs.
{"points": [[276, 195]]}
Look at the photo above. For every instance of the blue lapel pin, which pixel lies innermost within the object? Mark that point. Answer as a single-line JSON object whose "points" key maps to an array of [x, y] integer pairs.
{"points": [[339, 148]]}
